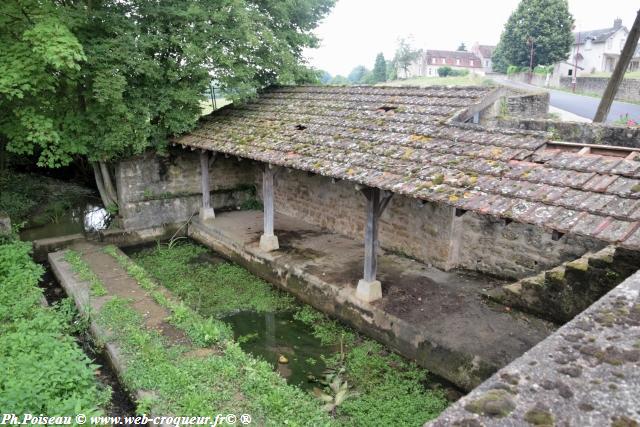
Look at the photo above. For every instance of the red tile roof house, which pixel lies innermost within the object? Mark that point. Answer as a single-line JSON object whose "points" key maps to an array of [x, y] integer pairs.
{"points": [[384, 208], [428, 62]]}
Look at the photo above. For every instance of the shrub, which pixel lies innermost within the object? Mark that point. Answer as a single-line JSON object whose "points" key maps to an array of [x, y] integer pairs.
{"points": [[44, 370]]}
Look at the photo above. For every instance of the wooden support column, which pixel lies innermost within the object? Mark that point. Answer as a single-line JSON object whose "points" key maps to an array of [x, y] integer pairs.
{"points": [[268, 240], [369, 288], [206, 210]]}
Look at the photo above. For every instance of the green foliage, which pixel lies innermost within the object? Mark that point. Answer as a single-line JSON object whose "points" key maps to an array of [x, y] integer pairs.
{"points": [[112, 78], [213, 290], [43, 368], [229, 381], [462, 47], [358, 74], [35, 199], [380, 69], [340, 80], [386, 387], [251, 204], [405, 55], [378, 384], [546, 23], [447, 71]]}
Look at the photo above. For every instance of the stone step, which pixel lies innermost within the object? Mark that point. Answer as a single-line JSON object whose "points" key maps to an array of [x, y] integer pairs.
{"points": [[562, 292]]}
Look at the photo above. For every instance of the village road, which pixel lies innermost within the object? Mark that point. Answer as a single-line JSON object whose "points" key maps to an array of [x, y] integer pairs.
{"points": [[584, 106]]}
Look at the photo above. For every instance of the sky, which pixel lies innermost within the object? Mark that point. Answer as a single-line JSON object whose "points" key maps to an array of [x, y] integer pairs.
{"points": [[357, 30]]}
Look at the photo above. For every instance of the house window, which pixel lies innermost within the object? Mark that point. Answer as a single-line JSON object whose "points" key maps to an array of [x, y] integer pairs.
{"points": [[457, 62], [429, 71], [570, 72], [609, 43], [443, 60], [471, 62], [587, 45], [433, 60], [486, 62]]}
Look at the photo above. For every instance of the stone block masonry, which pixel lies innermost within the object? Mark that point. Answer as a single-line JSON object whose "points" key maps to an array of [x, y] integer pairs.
{"points": [[166, 190], [629, 88], [155, 190]]}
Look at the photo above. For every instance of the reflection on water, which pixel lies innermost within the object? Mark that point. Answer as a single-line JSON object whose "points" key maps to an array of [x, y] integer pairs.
{"points": [[271, 335], [85, 216]]}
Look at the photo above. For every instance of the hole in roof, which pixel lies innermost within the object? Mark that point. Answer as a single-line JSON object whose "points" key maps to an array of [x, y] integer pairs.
{"points": [[387, 108], [300, 127]]}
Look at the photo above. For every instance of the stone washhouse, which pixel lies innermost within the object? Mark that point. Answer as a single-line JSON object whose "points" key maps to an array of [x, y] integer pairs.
{"points": [[461, 246]]}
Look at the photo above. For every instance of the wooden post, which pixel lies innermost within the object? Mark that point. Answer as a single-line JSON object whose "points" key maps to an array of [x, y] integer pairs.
{"points": [[206, 211], [618, 72], [369, 288], [268, 241], [371, 235]]}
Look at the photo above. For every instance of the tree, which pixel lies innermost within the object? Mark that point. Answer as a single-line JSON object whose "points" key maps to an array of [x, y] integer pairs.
{"points": [[357, 74], [340, 80], [325, 77], [462, 47], [544, 24], [380, 69], [405, 55], [111, 78]]}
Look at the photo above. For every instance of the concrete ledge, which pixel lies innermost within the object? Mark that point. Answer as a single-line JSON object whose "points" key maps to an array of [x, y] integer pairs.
{"points": [[585, 374], [42, 247], [132, 237]]}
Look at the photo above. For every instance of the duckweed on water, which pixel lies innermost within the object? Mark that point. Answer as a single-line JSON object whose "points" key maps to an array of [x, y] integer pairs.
{"points": [[387, 389]]}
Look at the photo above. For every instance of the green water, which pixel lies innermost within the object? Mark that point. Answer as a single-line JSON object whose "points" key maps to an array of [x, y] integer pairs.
{"points": [[86, 215], [271, 335]]}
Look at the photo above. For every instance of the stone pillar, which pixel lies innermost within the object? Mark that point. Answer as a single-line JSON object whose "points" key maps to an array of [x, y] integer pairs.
{"points": [[206, 210], [268, 241], [369, 288]]}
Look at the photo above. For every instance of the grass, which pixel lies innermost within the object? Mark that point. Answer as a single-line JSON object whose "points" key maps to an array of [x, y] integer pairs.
{"points": [[36, 200], [44, 370], [206, 107], [628, 74], [468, 80], [388, 390], [224, 380]]}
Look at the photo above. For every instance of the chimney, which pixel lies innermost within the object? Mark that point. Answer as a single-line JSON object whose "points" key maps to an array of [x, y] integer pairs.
{"points": [[617, 23]]}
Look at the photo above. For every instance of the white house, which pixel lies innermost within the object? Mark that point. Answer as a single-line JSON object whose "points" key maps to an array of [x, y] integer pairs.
{"points": [[485, 53], [597, 50], [430, 60]]}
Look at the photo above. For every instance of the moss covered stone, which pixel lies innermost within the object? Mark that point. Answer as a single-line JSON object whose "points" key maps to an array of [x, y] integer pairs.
{"points": [[493, 403]]}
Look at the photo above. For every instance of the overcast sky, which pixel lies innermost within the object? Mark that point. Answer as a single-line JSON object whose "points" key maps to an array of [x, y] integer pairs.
{"points": [[356, 30]]}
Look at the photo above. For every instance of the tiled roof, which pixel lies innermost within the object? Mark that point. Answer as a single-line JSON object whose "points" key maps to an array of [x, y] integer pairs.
{"points": [[596, 36], [400, 139], [486, 51], [451, 56]]}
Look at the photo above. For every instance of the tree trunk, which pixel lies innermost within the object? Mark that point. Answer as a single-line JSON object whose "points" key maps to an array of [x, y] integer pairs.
{"points": [[108, 184], [106, 197]]}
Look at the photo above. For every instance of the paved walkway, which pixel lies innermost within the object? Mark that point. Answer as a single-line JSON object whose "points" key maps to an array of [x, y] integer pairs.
{"points": [[435, 317]]}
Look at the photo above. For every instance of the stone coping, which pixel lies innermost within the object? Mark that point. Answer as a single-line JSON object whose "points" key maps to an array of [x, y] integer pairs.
{"points": [[585, 374]]}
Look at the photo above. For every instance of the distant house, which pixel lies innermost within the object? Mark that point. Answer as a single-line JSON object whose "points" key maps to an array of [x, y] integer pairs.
{"points": [[484, 52], [597, 51], [430, 60]]}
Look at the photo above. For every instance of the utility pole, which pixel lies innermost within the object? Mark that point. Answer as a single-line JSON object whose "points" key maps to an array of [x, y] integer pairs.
{"points": [[531, 60], [574, 78], [618, 72]]}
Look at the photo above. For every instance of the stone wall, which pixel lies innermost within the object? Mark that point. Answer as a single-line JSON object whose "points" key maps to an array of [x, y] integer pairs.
{"points": [[585, 133], [166, 190], [155, 190], [629, 89], [428, 232], [513, 250], [419, 230], [529, 105]]}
